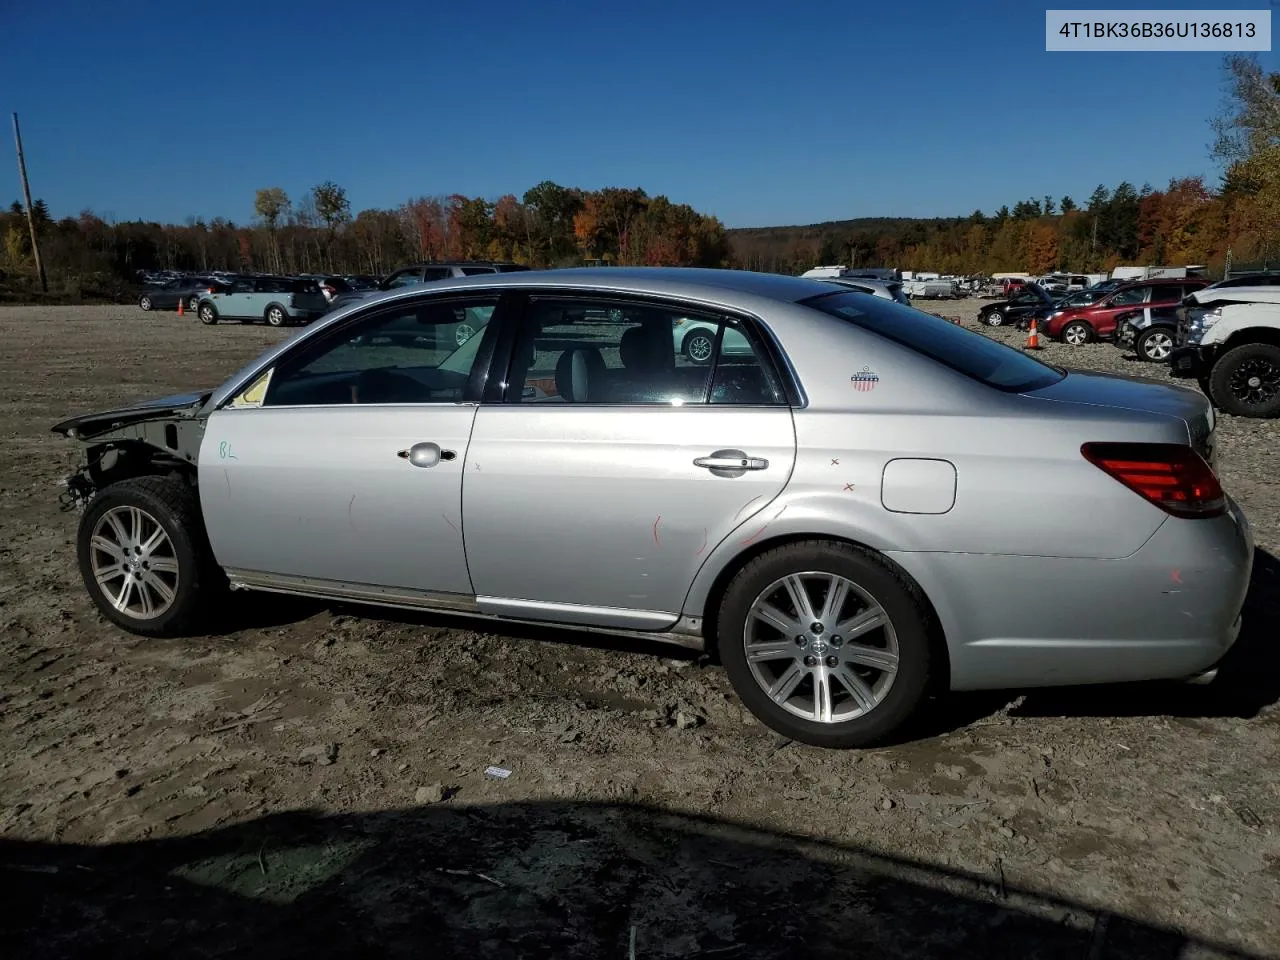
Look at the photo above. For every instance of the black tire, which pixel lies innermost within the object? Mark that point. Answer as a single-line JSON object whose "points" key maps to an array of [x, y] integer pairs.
{"points": [[145, 302], [697, 342], [207, 313], [1076, 327], [193, 304], [994, 319], [174, 507], [276, 316], [899, 598], [1230, 381], [1151, 341]]}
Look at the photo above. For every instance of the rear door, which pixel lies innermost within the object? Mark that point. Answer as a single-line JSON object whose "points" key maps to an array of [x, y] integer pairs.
{"points": [[609, 464], [1104, 318]]}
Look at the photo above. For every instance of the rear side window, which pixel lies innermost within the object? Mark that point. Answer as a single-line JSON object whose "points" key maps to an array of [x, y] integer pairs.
{"points": [[476, 271], [948, 343]]}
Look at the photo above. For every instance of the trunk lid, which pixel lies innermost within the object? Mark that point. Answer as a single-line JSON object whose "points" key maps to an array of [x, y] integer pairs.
{"points": [[1141, 395]]}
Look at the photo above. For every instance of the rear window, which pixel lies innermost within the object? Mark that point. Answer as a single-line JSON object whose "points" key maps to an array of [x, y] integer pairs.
{"points": [[948, 343], [476, 271]]}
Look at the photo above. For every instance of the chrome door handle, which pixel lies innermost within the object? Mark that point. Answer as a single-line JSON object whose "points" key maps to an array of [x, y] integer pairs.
{"points": [[730, 463], [425, 454]]}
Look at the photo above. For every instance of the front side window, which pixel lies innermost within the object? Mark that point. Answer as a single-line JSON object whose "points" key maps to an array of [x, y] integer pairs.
{"points": [[424, 353], [404, 278], [1124, 298], [950, 344], [571, 351]]}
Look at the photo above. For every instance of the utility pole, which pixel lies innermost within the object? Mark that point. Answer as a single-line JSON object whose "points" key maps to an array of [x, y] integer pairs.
{"points": [[26, 195]]}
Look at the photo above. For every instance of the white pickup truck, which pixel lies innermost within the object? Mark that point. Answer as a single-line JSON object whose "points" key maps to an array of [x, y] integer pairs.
{"points": [[1229, 340]]}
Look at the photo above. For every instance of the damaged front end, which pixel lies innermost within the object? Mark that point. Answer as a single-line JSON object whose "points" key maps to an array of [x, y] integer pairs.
{"points": [[156, 437]]}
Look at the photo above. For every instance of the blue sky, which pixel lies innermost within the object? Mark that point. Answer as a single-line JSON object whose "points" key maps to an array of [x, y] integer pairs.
{"points": [[758, 113]]}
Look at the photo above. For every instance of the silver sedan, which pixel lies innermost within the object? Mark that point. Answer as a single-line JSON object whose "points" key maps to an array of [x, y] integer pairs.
{"points": [[853, 504]]}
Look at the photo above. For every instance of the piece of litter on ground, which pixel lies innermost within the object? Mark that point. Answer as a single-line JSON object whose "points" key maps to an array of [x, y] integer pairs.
{"points": [[917, 801], [497, 773]]}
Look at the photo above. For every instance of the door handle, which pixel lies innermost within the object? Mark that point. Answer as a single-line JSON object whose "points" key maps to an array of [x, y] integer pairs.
{"points": [[425, 454], [731, 463]]}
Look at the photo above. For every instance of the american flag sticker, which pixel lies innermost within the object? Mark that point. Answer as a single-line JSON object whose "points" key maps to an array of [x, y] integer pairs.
{"points": [[865, 380]]}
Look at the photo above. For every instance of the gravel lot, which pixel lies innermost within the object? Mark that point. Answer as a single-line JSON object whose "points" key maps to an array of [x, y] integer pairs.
{"points": [[308, 780]]}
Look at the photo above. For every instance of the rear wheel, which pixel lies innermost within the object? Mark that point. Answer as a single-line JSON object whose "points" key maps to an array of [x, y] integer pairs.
{"points": [[193, 304], [143, 555], [207, 314], [276, 316], [1076, 333], [1246, 381], [698, 346], [1154, 345], [826, 644]]}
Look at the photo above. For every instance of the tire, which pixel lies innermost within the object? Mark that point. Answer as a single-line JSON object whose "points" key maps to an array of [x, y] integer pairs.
{"points": [[144, 302], [193, 304], [698, 346], [208, 314], [276, 316], [1076, 333], [994, 319], [189, 575], [1154, 345], [896, 697], [462, 333], [1245, 381]]}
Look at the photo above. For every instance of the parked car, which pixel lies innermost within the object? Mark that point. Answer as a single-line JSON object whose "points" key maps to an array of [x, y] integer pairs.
{"points": [[1031, 300], [277, 300], [838, 516], [417, 273], [1150, 332], [169, 294], [1229, 341], [888, 289], [1098, 321]]}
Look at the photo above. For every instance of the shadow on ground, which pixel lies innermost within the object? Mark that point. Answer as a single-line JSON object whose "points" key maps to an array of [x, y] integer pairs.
{"points": [[564, 880]]}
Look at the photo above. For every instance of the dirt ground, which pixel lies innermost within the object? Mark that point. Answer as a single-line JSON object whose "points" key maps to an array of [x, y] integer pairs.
{"points": [[309, 780]]}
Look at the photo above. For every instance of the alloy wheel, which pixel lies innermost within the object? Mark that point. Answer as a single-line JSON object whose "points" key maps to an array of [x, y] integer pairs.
{"points": [[1255, 381], [134, 563], [821, 647], [1076, 335], [463, 332], [699, 348], [1157, 346]]}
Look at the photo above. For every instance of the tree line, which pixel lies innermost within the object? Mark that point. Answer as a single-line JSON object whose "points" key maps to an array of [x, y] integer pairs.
{"points": [[551, 225]]}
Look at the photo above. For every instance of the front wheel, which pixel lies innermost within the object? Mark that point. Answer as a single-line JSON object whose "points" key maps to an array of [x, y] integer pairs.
{"points": [[207, 314], [826, 644], [1077, 333], [994, 319], [1154, 345], [1245, 381], [144, 302], [143, 555]]}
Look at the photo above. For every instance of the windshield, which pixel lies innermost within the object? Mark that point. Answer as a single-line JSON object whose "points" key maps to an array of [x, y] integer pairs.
{"points": [[948, 343]]}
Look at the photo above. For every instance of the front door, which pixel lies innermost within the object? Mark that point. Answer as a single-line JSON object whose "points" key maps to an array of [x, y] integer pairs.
{"points": [[619, 461], [343, 464]]}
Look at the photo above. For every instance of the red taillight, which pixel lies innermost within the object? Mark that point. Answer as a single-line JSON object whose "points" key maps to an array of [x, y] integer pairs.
{"points": [[1173, 477]]}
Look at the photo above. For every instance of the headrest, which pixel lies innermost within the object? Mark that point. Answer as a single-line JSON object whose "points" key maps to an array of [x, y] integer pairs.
{"points": [[647, 347], [579, 374]]}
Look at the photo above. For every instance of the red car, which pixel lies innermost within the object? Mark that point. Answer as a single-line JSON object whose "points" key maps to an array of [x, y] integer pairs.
{"points": [[1097, 321]]}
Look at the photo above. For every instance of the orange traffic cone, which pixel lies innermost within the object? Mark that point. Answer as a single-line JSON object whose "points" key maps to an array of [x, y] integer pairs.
{"points": [[181, 301], [1033, 337]]}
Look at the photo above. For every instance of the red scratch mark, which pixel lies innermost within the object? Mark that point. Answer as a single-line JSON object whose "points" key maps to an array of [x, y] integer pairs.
{"points": [[451, 523], [835, 462], [755, 536], [1176, 576], [655, 530], [744, 507], [704, 543], [848, 487]]}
